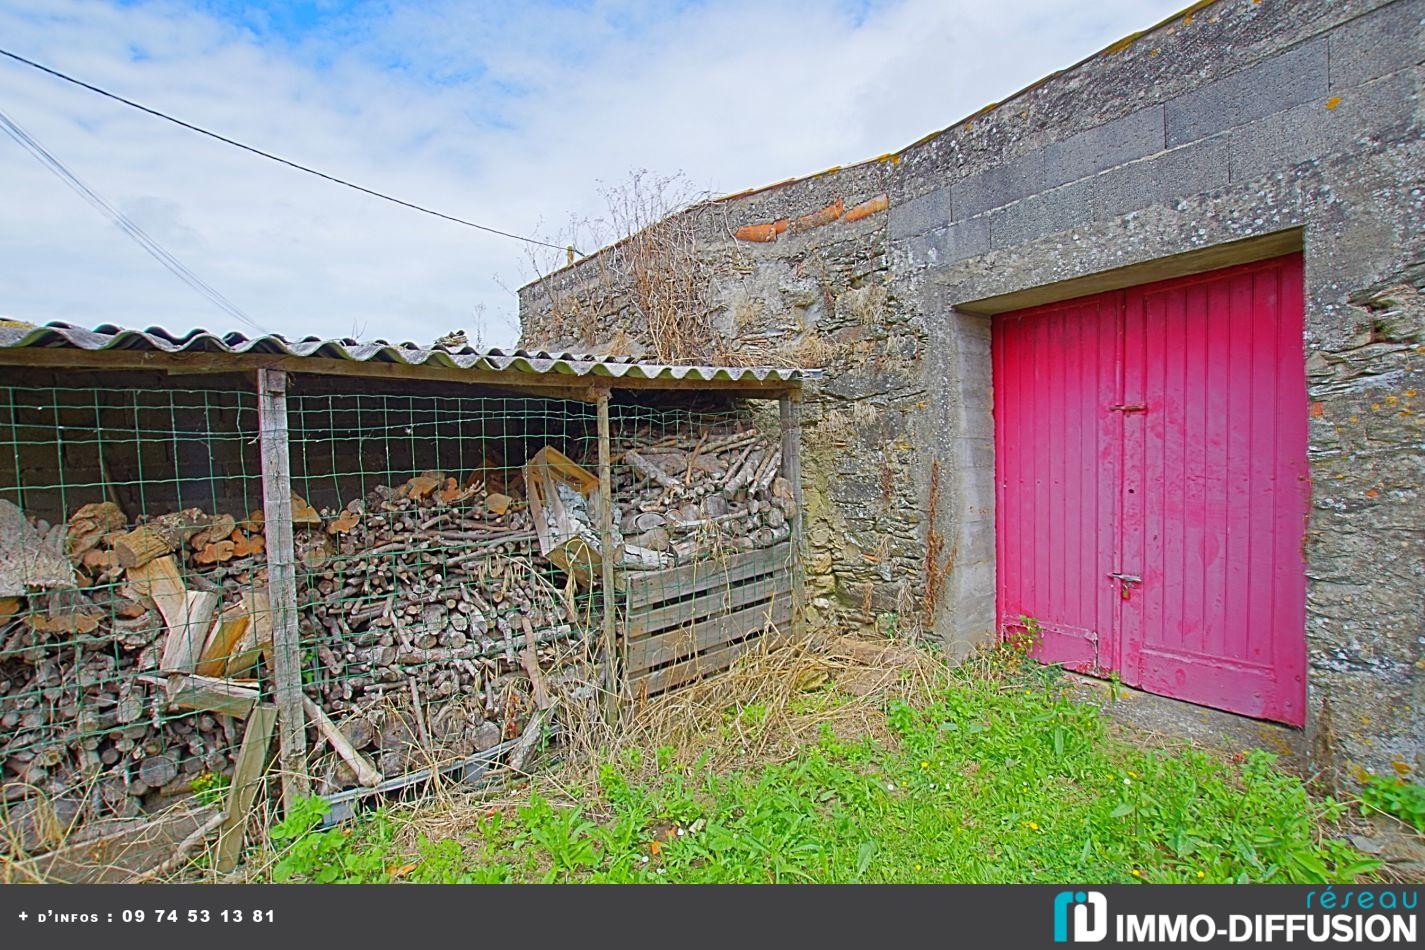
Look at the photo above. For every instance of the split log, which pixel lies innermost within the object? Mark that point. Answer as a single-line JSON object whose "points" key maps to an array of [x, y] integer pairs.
{"points": [[29, 558], [208, 693], [222, 645]]}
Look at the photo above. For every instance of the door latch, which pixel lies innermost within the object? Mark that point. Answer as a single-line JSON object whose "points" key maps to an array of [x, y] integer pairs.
{"points": [[1125, 584], [1129, 407]]}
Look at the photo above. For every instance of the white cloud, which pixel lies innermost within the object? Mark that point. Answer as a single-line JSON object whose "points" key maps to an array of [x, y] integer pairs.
{"points": [[508, 114]]}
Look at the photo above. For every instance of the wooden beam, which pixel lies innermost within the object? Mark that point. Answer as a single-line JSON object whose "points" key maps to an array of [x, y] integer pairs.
{"points": [[247, 779], [282, 584], [608, 556], [546, 385], [791, 411]]}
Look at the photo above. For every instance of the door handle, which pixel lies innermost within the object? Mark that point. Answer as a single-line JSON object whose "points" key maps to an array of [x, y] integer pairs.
{"points": [[1127, 578], [1129, 407]]}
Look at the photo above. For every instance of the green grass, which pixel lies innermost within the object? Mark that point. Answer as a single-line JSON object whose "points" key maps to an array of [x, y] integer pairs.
{"points": [[992, 779]]}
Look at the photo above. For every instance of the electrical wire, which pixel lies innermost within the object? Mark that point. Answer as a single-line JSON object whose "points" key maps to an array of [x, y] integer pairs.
{"points": [[276, 158], [141, 237]]}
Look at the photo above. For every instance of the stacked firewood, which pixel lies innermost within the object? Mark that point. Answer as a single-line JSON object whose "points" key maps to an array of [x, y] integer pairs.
{"points": [[431, 626], [129, 656], [437, 631], [689, 495], [95, 719]]}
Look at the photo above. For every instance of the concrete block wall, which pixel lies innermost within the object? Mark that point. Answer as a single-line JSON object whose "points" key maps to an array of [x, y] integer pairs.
{"points": [[1234, 127]]}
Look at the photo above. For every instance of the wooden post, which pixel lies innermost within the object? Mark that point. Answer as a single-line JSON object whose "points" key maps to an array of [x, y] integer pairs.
{"points": [[282, 584], [247, 779], [791, 407], [613, 689]]}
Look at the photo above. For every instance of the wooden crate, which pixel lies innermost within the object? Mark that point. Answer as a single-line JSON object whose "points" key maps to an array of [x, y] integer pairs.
{"points": [[691, 621]]}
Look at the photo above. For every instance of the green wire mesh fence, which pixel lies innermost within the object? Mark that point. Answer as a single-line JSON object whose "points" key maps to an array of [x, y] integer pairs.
{"points": [[449, 596], [706, 515], [86, 731]]}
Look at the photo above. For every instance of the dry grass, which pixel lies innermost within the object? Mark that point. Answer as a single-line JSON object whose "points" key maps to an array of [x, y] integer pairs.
{"points": [[707, 724]]}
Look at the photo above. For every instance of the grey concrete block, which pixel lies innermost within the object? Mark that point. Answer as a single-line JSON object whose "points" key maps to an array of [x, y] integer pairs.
{"points": [[948, 244], [1312, 132], [929, 212], [1179, 173], [1050, 212], [1377, 44], [1272, 85], [1104, 146], [968, 238], [998, 186]]}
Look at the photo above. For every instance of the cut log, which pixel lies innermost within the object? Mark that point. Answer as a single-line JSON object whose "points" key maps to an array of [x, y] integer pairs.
{"points": [[218, 530], [303, 513], [142, 545], [156, 771], [344, 523], [216, 553], [160, 536], [248, 545], [421, 486], [647, 468], [366, 773], [89, 524]]}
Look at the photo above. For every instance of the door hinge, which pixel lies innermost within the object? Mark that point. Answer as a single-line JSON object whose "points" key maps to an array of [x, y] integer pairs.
{"points": [[1129, 407]]}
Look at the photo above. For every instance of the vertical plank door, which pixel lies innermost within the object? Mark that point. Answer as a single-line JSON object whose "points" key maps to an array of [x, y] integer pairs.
{"points": [[1152, 485]]}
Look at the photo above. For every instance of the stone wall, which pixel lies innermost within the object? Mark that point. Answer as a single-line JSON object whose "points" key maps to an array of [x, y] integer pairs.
{"points": [[1236, 130]]}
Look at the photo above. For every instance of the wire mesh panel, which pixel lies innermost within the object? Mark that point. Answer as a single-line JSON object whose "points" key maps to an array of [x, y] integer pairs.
{"points": [[127, 562], [433, 631]]}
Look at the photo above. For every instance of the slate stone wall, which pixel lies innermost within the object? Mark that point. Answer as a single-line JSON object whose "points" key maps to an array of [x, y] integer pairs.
{"points": [[1236, 120]]}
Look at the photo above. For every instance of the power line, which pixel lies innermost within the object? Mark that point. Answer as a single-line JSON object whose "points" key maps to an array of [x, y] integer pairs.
{"points": [[271, 157], [141, 237]]}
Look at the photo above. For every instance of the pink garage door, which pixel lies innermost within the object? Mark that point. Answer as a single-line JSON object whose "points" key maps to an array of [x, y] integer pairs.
{"points": [[1151, 485]]}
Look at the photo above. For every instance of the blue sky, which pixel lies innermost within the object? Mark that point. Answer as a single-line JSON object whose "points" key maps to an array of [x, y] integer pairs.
{"points": [[514, 114]]}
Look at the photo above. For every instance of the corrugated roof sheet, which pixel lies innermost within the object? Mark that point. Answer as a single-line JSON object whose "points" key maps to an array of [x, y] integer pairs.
{"points": [[156, 339]]}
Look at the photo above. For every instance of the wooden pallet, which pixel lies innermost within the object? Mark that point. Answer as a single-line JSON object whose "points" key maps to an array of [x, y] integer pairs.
{"points": [[688, 622]]}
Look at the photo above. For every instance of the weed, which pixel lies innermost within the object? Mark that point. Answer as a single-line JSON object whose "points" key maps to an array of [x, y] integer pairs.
{"points": [[1396, 797], [338, 855], [211, 788]]}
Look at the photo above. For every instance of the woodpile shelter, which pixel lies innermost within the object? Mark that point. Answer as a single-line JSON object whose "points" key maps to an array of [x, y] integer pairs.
{"points": [[395, 560]]}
